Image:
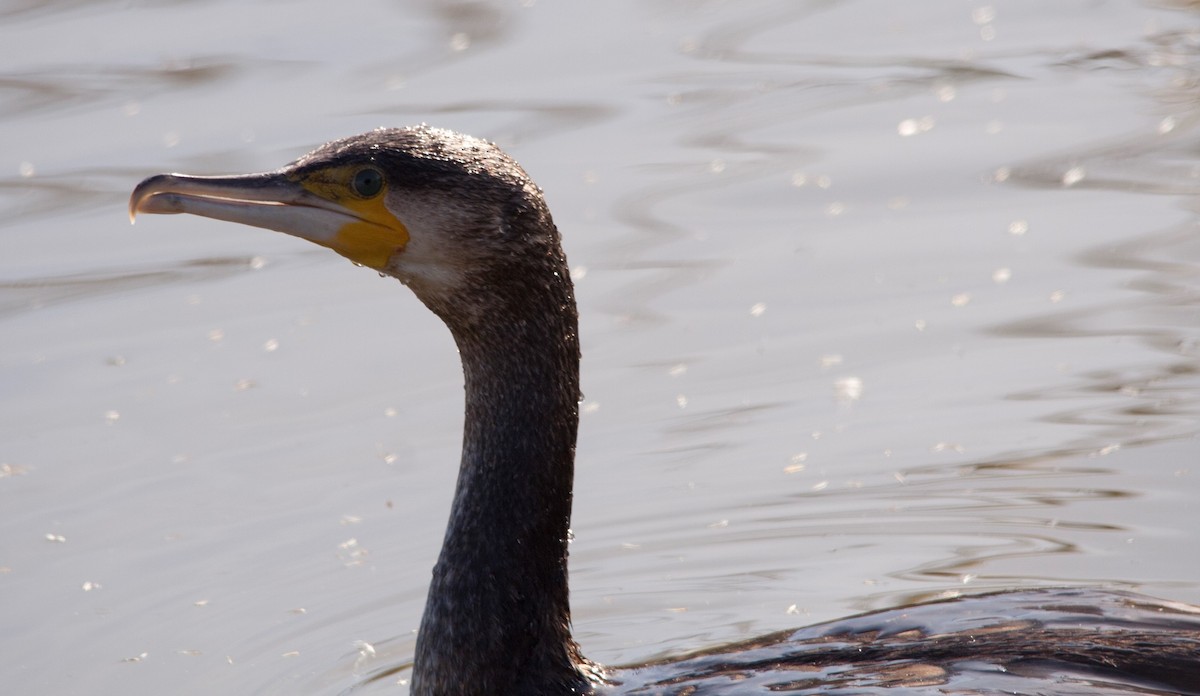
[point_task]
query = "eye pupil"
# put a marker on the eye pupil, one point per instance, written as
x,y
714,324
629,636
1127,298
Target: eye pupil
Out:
x,y
368,182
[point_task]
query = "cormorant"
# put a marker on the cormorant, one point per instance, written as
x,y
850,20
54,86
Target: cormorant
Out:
x,y
465,228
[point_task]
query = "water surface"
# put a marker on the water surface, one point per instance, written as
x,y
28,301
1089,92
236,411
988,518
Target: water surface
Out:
x,y
881,302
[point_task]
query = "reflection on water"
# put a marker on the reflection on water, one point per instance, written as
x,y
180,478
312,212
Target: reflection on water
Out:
x,y
29,198
69,87
38,293
1158,401
984,218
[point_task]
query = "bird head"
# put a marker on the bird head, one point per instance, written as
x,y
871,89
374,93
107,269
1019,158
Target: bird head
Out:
x,y
443,212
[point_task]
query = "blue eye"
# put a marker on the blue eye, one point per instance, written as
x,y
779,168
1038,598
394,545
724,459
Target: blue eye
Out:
x,y
368,182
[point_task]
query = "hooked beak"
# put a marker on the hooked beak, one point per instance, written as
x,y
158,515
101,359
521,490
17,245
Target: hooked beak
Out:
x,y
269,200
276,201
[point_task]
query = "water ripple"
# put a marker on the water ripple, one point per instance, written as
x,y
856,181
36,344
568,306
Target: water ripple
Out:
x,y
61,89
27,294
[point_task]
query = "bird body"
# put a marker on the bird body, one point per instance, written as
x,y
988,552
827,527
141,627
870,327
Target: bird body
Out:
x,y
464,227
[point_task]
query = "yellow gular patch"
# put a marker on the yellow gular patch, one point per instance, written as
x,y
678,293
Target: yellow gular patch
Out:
x,y
376,235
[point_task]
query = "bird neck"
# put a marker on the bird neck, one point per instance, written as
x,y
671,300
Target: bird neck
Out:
x,y
497,619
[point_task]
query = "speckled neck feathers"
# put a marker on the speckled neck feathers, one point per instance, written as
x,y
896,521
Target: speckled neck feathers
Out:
x,y
497,620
